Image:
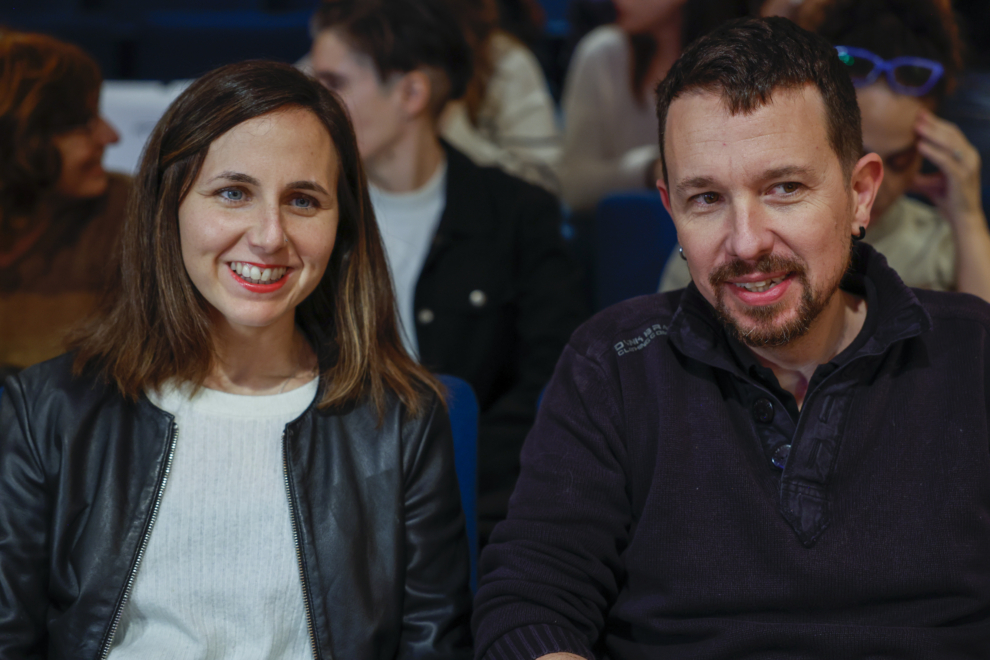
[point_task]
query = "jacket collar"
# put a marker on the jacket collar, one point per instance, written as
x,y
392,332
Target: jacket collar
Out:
x,y
697,333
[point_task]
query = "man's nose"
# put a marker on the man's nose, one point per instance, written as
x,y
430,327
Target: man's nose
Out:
x,y
750,236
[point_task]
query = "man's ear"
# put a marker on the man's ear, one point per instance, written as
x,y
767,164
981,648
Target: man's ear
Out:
x,y
415,89
864,183
664,195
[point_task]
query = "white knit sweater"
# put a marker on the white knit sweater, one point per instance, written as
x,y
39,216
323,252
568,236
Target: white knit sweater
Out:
x,y
219,577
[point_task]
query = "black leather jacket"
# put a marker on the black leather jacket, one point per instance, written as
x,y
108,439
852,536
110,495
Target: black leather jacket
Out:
x,y
380,532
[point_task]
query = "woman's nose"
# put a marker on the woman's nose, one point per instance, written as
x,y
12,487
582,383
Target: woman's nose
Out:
x,y
104,132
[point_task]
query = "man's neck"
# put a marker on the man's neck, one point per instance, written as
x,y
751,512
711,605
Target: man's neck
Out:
x,y
409,163
831,333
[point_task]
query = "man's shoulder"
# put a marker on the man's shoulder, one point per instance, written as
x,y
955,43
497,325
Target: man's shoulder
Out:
x,y
490,182
628,327
949,307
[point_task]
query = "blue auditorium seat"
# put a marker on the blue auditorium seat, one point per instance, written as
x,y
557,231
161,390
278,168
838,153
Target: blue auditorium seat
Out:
x,y
462,406
633,238
175,45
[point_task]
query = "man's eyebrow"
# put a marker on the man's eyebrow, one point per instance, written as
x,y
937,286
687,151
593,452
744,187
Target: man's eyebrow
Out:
x,y
237,177
787,172
330,78
308,185
694,183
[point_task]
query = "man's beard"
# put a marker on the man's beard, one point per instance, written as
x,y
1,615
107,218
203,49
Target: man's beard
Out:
x,y
764,333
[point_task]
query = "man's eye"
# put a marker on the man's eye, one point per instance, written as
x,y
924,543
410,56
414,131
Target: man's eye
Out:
x,y
789,188
709,197
232,194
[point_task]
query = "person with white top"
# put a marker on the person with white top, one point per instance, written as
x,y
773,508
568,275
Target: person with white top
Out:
x,y
507,116
487,290
238,459
610,126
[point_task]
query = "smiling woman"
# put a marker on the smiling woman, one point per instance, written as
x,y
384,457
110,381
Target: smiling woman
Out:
x,y
60,211
239,455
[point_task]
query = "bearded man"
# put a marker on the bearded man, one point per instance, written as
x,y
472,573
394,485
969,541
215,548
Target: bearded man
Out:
x,y
788,458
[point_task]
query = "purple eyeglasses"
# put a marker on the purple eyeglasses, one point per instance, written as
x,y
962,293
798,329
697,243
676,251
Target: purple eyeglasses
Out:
x,y
914,76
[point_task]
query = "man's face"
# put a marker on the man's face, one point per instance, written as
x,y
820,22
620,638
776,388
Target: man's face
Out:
x,y
762,210
375,107
888,130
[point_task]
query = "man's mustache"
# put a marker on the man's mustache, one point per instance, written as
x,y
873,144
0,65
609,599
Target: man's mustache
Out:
x,y
770,263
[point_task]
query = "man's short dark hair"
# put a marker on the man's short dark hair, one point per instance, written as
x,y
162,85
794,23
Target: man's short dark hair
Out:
x,y
747,60
893,28
403,35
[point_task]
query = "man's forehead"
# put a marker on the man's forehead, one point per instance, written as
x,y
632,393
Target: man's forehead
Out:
x,y
702,130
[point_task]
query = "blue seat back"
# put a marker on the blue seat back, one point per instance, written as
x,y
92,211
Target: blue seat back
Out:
x,y
634,236
462,406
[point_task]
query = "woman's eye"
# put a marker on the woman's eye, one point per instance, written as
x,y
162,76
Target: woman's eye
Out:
x,y
303,202
232,194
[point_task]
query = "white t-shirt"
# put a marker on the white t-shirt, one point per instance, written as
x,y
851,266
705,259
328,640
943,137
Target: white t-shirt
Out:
x,y
219,578
408,222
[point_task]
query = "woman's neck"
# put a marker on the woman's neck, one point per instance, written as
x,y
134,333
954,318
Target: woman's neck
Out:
x,y
261,361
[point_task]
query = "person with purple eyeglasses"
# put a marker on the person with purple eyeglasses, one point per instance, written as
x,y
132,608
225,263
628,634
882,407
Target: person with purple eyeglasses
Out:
x,y
903,57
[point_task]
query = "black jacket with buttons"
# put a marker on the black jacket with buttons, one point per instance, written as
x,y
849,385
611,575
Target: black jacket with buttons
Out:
x,y
375,506
496,301
652,521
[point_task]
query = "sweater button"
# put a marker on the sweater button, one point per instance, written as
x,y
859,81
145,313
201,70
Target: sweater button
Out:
x,y
425,316
477,298
763,411
779,459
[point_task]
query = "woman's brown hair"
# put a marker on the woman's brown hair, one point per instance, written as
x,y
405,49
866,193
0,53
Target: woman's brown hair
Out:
x,y
47,87
153,324
479,20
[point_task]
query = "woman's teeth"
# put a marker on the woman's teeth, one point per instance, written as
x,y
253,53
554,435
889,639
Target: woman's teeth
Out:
x,y
760,287
256,275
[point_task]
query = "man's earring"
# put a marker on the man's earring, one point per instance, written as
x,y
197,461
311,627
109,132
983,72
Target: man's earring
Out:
x,y
862,234
680,251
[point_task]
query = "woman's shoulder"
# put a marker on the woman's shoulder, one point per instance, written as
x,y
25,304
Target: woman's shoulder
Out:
x,y
604,42
53,383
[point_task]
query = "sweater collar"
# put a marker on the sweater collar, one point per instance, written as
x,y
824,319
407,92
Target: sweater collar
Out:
x,y
697,333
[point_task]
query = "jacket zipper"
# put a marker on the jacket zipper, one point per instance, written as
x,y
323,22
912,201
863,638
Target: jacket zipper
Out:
x,y
295,542
144,544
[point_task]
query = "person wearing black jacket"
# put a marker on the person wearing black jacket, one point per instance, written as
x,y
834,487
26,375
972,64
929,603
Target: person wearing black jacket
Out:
x,y
485,286
238,458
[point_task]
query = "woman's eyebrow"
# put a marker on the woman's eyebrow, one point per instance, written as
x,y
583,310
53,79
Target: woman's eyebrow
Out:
x,y
308,185
237,177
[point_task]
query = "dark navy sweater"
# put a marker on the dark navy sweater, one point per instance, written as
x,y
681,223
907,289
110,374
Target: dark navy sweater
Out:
x,y
657,515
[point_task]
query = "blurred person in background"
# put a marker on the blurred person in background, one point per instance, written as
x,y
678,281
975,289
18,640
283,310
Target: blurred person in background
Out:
x,y
903,56
969,106
506,117
610,131
60,211
485,287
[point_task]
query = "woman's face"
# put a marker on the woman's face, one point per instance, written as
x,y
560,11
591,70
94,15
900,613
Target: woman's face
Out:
x,y
644,16
259,222
81,150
